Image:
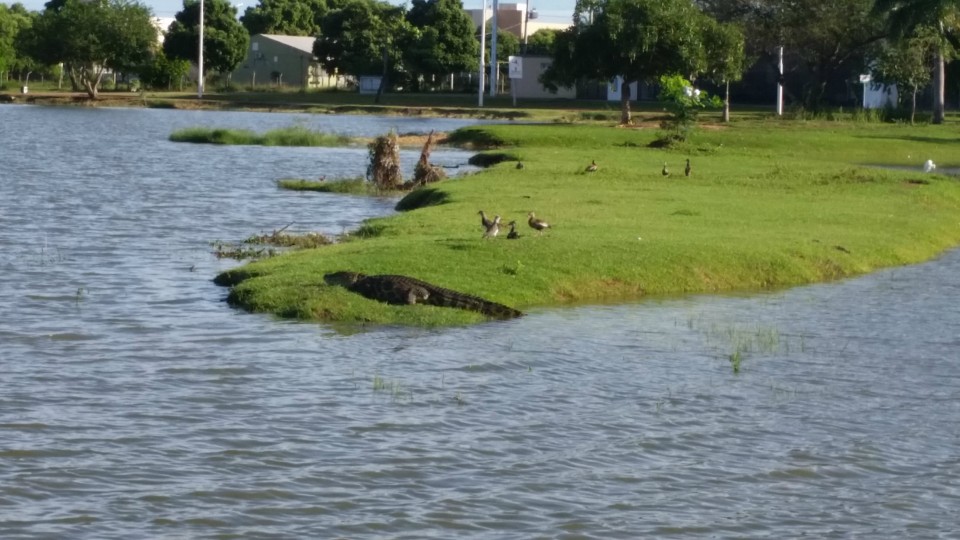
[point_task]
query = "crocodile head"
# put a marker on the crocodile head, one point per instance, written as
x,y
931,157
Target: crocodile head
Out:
x,y
343,278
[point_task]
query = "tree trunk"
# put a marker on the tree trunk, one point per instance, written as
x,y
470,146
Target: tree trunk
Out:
x,y
726,102
383,79
625,102
938,88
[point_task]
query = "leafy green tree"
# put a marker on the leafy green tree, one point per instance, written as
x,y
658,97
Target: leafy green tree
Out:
x,y
13,20
905,17
683,101
507,44
164,73
286,17
225,40
906,63
364,37
92,36
825,41
636,39
442,40
726,57
541,42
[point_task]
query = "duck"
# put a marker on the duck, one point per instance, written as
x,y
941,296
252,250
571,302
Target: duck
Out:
x,y
494,229
513,234
592,167
686,170
519,165
664,171
537,224
484,222
929,166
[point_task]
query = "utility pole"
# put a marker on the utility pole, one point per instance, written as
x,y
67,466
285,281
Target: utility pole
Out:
x,y
200,57
493,49
780,81
483,45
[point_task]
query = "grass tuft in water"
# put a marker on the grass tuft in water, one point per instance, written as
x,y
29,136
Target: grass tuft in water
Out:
x,y
289,136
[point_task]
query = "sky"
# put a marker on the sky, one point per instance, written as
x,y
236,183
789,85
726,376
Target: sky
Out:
x,y
554,11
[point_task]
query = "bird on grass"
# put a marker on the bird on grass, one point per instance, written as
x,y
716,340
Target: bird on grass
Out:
x,y
686,170
592,167
519,164
494,229
665,171
484,221
513,234
929,166
537,224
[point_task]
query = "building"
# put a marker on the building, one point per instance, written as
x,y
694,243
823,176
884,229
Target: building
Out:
x,y
528,85
516,19
275,60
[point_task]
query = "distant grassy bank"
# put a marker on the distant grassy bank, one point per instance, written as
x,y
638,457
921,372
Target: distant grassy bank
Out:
x,y
768,204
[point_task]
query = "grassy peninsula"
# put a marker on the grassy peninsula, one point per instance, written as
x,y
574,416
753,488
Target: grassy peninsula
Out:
x,y
768,204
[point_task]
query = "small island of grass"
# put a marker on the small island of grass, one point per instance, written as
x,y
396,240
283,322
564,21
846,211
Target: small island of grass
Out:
x,y
767,204
289,136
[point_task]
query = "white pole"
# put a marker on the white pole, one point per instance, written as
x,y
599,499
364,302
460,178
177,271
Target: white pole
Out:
x,y
780,82
493,49
483,45
200,57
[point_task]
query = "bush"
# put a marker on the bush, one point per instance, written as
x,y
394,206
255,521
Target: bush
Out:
x,y
683,102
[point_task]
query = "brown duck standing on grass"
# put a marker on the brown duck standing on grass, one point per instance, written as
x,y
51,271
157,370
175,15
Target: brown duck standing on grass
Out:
x,y
513,234
537,224
519,164
484,222
494,229
592,167
665,171
687,169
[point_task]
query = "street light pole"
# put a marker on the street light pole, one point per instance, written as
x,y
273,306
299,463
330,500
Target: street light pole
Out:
x,y
493,49
483,45
200,57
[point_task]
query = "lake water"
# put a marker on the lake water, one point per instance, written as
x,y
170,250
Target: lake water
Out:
x,y
134,403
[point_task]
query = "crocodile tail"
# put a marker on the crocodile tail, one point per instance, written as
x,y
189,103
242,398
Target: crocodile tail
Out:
x,y
454,299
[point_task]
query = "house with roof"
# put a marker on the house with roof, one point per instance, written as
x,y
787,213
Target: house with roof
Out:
x,y
283,61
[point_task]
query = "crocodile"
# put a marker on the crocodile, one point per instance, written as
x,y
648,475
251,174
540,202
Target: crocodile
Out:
x,y
405,290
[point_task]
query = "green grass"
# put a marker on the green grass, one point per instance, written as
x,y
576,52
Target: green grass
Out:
x,y
289,136
770,204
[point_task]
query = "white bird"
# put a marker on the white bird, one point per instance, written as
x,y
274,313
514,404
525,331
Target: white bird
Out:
x,y
929,166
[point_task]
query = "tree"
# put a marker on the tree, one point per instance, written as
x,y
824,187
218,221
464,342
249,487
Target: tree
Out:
x,y
364,37
13,20
906,63
507,43
726,57
287,17
225,41
904,17
442,41
541,42
635,39
90,37
825,41
163,72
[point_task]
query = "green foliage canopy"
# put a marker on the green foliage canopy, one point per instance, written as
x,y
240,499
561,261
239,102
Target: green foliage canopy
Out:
x,y
636,39
287,17
356,38
13,20
225,40
92,36
443,40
